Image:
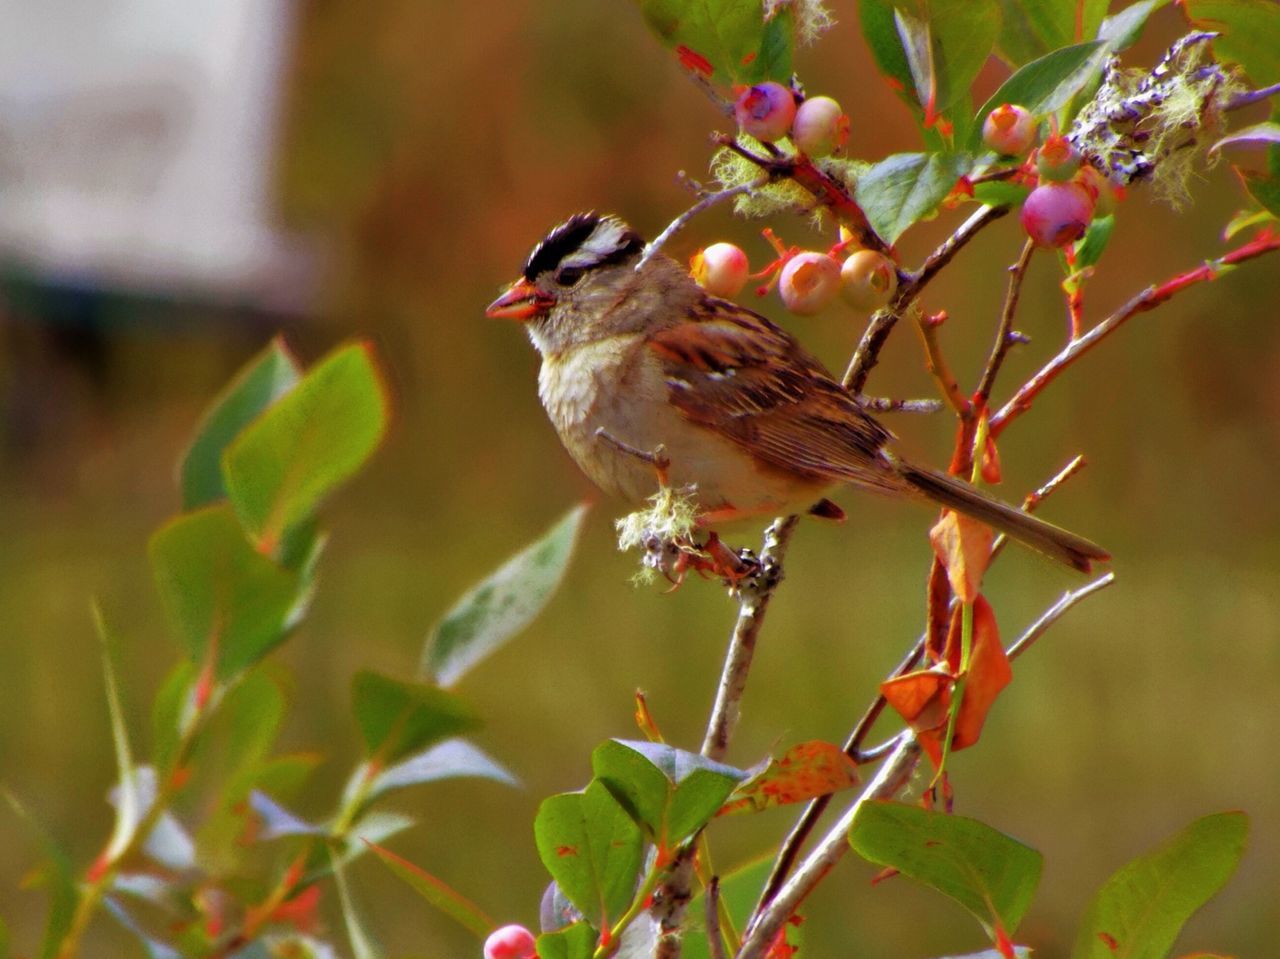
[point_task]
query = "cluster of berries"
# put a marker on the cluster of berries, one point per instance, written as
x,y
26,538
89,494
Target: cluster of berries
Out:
x,y
1068,193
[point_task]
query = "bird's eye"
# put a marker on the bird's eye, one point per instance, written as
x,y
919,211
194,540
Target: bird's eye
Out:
x,y
569,275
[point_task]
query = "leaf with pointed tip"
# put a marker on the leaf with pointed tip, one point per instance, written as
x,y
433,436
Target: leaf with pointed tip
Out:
x,y
1139,911
452,759
262,381
363,944
1260,134
671,792
1248,34
313,439
438,893
1044,85
593,849
905,188
168,842
155,949
805,771
1090,247
276,821
398,718
506,602
56,873
171,713
228,601
1122,29
734,38
128,803
1263,188
990,874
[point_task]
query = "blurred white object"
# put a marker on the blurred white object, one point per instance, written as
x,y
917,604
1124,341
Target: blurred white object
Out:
x,y
137,146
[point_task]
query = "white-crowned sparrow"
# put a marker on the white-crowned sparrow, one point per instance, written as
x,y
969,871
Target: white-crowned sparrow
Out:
x,y
641,359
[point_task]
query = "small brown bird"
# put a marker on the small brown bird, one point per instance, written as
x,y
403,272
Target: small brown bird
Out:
x,y
637,359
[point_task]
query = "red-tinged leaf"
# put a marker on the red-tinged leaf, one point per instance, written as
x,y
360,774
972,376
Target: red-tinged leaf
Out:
x,y
438,893
963,545
990,462
806,771
694,62
644,719
988,673
939,600
301,912
921,698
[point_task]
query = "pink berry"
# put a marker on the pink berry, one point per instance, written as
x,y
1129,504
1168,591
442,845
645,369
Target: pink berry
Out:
x,y
820,127
808,282
868,280
1057,159
721,269
1009,129
510,942
765,111
1055,214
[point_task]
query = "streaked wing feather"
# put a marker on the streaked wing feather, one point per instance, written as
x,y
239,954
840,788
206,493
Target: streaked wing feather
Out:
x,y
734,372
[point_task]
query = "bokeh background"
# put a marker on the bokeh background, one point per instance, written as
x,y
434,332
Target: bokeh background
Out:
x,y
407,156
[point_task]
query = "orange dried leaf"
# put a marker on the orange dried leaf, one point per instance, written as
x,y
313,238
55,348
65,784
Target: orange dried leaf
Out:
x,y
989,672
963,546
939,602
806,771
921,698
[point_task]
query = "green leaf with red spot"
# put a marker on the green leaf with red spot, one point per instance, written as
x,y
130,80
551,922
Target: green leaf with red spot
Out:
x,y
398,718
805,771
230,603
905,188
670,792
728,41
593,849
1139,911
987,872
316,437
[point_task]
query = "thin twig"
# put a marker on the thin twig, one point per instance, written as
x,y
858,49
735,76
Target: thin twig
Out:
x,y
1033,500
937,366
1148,299
715,942
890,779
1056,612
909,287
883,404
799,835
754,594
706,203
1005,337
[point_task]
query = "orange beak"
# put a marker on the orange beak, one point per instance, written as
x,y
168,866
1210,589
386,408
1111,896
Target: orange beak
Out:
x,y
522,301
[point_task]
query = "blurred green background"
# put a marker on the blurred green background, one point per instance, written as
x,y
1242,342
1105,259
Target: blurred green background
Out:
x,y
426,147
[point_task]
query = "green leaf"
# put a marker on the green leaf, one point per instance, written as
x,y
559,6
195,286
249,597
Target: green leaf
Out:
x,y
671,792
438,893
1090,247
262,381
503,604
592,849
1000,193
933,49
739,891
228,601
172,711
363,944
1122,29
904,188
577,941
312,440
990,874
1032,28
1140,910
732,35
452,759
1249,34
56,873
1264,188
128,803
1044,85
397,718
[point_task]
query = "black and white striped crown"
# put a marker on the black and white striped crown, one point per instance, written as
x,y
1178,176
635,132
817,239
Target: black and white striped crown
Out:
x,y
583,241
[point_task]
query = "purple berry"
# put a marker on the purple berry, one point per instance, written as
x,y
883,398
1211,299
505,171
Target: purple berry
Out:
x,y
765,111
1055,214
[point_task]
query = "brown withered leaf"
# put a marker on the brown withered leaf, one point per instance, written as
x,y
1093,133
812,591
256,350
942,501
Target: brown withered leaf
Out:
x,y
988,673
805,771
963,546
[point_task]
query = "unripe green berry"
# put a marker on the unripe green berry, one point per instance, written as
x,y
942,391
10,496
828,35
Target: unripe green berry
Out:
x,y
808,283
820,127
1009,129
868,280
765,111
721,269
1057,160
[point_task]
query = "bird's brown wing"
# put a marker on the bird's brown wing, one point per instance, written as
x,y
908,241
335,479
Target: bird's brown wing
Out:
x,y
733,372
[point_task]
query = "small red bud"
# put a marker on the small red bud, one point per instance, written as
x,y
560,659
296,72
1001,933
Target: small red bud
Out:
x,y
808,282
820,128
510,942
1055,214
868,280
765,111
1009,129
